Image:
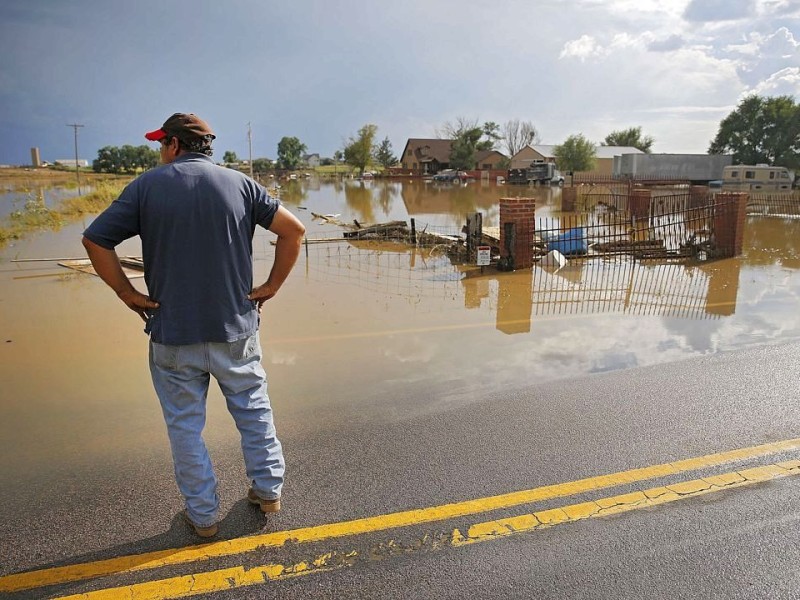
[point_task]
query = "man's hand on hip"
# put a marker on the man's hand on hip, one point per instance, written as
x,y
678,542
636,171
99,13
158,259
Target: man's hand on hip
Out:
x,y
137,302
262,293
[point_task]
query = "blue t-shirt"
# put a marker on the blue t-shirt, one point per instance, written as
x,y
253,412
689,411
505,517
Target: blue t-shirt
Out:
x,y
196,221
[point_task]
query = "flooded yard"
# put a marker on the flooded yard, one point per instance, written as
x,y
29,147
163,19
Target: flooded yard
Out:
x,y
357,319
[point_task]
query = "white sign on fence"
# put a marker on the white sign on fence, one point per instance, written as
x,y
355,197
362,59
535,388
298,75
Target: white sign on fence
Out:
x,y
484,255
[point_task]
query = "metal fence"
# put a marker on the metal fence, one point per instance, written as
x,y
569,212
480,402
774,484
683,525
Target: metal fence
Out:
x,y
774,205
674,228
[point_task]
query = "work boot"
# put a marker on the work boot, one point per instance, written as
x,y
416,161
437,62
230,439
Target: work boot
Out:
x,y
203,532
267,506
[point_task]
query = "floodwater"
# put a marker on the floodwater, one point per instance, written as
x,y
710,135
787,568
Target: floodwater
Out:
x,y
357,320
14,197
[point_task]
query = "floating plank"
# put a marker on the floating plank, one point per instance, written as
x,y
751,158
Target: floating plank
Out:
x,y
84,265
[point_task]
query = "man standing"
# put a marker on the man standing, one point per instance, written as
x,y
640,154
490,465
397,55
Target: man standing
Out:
x,y
196,221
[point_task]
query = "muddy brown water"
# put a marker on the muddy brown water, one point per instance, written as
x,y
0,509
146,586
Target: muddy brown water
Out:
x,y
356,320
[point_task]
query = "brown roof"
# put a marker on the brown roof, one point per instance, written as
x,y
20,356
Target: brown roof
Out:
x,y
426,150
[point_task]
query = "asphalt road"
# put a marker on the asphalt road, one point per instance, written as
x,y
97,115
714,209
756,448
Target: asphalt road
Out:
x,y
442,447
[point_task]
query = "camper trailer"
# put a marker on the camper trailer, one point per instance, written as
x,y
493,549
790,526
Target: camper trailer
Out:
x,y
763,178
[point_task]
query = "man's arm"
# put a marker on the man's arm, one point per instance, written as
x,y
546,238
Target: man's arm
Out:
x,y
290,232
106,264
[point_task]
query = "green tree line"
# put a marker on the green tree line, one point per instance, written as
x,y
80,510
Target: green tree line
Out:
x,y
127,159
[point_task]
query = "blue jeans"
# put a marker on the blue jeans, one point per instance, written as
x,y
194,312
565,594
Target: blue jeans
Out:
x,y
181,376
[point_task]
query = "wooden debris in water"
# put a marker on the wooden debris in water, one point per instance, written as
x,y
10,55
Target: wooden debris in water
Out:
x,y
382,231
84,265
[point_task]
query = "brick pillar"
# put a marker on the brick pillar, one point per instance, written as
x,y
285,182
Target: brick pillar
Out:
x,y
569,199
640,203
729,217
516,232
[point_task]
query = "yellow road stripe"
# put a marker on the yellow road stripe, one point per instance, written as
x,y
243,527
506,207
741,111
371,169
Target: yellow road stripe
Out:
x,y
235,577
161,558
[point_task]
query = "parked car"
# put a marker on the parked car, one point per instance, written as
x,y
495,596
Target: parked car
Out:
x,y
451,175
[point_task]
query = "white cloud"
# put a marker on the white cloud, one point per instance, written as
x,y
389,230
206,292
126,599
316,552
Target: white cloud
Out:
x,y
785,82
583,48
762,57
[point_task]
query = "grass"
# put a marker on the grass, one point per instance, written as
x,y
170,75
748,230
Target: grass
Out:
x,y
35,216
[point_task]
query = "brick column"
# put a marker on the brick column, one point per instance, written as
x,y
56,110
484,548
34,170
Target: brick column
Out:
x,y
729,218
516,232
640,203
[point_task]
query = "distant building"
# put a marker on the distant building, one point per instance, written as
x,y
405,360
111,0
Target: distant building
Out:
x,y
311,160
70,162
486,160
539,153
36,160
425,156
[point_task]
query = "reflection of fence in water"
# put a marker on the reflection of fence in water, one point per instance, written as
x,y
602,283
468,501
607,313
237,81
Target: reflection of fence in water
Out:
x,y
386,268
597,286
582,287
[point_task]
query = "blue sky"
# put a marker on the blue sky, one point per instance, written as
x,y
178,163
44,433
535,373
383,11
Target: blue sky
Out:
x,y
319,70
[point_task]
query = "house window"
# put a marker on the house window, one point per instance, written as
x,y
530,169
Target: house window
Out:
x,y
734,174
749,174
772,174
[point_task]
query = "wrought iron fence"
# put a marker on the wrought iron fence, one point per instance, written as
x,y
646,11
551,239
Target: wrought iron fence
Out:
x,y
774,205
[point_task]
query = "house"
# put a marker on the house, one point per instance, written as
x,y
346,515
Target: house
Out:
x,y
487,160
423,156
532,154
604,155
311,160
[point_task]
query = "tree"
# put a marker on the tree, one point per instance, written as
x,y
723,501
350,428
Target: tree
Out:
x,y
518,134
465,144
384,154
630,137
761,130
108,160
467,136
261,165
146,157
128,159
290,152
576,154
229,157
359,151
491,131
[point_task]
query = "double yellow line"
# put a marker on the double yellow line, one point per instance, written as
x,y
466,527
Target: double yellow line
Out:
x,y
197,583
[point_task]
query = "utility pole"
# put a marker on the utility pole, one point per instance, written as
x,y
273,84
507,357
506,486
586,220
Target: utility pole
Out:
x,y
77,170
250,145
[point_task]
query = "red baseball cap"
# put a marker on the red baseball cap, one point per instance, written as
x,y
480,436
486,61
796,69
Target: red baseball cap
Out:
x,y
181,125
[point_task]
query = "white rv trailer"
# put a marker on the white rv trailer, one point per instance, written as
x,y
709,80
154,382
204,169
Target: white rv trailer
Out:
x,y
763,178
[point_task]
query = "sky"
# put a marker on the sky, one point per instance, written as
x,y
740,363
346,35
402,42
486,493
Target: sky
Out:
x,y
320,70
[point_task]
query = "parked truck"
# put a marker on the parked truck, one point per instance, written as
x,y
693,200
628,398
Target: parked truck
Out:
x,y
544,173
